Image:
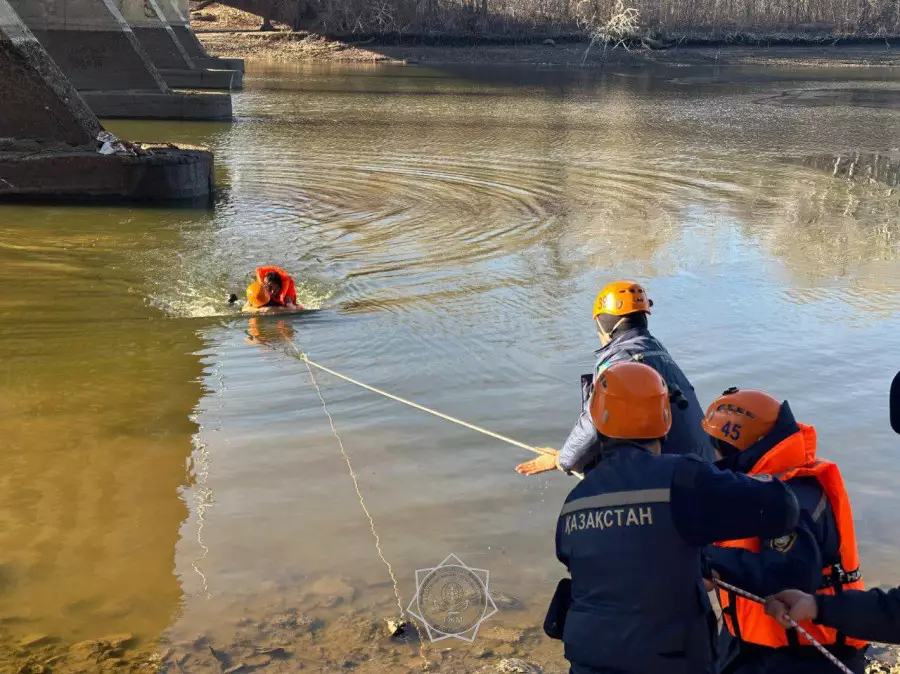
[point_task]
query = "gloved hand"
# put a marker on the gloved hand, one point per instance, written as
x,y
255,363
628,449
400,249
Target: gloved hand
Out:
x,y
541,464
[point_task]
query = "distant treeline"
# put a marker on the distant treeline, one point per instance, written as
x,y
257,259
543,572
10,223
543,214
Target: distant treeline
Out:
x,y
722,20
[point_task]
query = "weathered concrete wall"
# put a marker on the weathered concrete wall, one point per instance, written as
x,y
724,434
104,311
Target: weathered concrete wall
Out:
x,y
149,23
167,174
39,103
92,44
181,24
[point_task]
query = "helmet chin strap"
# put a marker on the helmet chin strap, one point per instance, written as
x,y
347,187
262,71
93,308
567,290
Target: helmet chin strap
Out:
x,y
606,337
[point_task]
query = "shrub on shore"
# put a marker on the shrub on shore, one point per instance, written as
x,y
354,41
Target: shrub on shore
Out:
x,y
609,21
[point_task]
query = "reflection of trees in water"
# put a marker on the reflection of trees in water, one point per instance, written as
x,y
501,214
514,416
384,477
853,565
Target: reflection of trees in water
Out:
x,y
839,226
860,167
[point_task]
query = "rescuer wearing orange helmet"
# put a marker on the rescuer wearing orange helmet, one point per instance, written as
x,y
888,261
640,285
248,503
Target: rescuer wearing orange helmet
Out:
x,y
273,287
756,434
632,532
620,313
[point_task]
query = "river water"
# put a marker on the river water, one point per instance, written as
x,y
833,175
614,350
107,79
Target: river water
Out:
x,y
168,467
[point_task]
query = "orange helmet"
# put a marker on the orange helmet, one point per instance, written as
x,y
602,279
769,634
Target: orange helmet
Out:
x,y
631,401
621,298
257,295
741,418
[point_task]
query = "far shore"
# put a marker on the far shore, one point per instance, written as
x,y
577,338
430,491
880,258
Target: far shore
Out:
x,y
309,47
230,33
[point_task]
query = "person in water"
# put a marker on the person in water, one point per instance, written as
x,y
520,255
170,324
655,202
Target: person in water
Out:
x,y
620,312
273,287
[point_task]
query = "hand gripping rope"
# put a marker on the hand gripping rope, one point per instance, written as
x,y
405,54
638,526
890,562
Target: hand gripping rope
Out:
x,y
759,600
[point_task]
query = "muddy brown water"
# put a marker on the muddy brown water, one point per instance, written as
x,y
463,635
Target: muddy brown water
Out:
x,y
168,475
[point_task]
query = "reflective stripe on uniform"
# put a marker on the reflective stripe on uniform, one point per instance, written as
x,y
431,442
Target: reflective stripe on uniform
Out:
x,y
618,498
817,513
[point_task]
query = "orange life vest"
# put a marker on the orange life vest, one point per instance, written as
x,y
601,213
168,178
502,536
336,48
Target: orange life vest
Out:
x,y
795,457
288,291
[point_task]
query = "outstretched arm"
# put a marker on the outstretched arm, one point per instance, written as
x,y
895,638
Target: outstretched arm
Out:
x,y
789,561
873,615
711,505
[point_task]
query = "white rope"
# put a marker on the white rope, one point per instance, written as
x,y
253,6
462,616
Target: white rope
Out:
x,y
759,600
447,417
362,502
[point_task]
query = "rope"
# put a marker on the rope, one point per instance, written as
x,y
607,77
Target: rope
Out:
x,y
537,450
759,600
362,502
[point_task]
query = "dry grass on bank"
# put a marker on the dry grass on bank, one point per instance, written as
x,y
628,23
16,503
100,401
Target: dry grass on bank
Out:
x,y
723,20
287,46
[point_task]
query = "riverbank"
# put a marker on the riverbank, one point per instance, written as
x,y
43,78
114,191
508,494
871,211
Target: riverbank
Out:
x,y
230,33
293,640
299,46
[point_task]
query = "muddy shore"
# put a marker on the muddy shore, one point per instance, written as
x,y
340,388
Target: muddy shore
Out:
x,y
293,641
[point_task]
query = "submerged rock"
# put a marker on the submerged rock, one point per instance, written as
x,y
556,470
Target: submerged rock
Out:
x,y
883,660
91,649
396,628
505,601
331,602
35,640
332,587
502,634
117,641
516,666
258,661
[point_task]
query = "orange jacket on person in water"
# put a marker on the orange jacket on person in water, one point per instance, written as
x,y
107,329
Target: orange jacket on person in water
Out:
x,y
288,290
792,458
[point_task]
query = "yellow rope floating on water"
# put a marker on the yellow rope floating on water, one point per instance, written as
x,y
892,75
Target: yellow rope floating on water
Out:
x,y
510,441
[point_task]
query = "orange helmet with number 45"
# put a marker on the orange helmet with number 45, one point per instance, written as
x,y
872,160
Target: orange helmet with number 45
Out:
x,y
631,402
741,418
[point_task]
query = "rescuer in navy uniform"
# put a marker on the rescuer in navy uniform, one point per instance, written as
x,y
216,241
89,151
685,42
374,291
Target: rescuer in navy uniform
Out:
x,y
631,535
757,434
620,312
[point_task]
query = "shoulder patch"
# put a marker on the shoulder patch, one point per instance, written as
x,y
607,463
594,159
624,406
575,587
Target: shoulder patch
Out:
x,y
762,477
783,544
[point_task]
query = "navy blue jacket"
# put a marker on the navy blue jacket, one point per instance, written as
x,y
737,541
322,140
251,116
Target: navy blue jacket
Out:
x,y
686,436
631,535
793,561
873,615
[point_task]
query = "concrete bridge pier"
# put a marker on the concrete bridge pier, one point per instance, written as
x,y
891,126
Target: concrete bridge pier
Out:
x,y
53,147
181,25
97,51
147,19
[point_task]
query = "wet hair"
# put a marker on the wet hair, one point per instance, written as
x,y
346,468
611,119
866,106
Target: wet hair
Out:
x,y
273,278
638,319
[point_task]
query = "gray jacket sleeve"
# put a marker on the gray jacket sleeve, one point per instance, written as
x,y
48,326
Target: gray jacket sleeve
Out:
x,y
581,444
